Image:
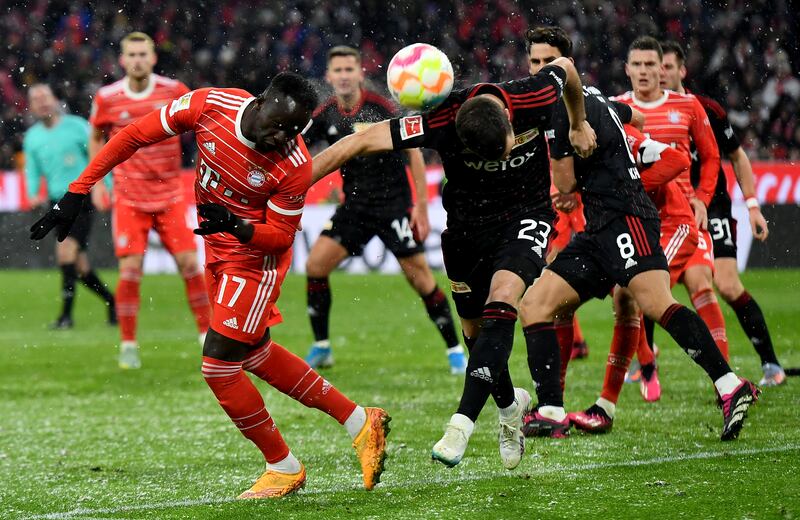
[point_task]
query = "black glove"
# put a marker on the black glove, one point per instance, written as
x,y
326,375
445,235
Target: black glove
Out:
x,y
60,216
219,219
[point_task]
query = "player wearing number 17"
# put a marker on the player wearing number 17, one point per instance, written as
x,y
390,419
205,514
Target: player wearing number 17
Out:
x,y
497,198
253,172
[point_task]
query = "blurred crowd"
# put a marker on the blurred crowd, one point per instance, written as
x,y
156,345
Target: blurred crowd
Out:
x,y
744,53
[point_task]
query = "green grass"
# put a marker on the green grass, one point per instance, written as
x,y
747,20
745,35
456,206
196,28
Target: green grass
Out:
x,y
80,439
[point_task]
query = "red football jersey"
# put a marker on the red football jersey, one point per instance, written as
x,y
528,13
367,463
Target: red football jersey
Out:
x,y
260,187
660,167
677,120
150,179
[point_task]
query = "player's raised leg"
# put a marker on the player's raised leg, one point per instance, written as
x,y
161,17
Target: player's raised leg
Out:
x,y
243,299
325,255
651,290
419,276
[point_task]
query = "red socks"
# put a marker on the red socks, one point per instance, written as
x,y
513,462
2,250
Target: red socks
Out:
x,y
705,302
244,405
643,352
623,345
128,302
578,334
565,335
198,299
293,377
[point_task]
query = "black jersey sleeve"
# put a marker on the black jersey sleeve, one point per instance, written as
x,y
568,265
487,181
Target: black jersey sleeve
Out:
x,y
723,132
624,111
558,134
532,99
426,130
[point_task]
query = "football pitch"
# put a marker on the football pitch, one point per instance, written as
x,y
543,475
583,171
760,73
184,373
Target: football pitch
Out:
x,y
81,439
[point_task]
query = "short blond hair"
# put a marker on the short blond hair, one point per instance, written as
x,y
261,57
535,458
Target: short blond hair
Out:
x,y
137,36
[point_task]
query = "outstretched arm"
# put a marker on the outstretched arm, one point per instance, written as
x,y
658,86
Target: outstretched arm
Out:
x,y
143,132
377,138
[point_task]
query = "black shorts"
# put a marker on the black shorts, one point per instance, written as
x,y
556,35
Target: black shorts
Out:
x,y
353,229
82,227
722,228
593,263
472,257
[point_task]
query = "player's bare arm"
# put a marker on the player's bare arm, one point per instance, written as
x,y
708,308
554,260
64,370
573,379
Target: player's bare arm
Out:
x,y
97,138
637,119
419,213
581,134
564,174
375,139
744,176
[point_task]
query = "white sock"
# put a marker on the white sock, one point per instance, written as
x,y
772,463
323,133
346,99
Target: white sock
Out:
x,y
509,411
288,465
323,343
128,344
356,421
727,383
458,349
463,422
607,406
555,413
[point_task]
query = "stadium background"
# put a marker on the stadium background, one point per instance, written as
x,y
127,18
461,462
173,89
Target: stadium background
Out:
x,y
741,53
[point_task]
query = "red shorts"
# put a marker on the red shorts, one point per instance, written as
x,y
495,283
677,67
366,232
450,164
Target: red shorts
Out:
x,y
704,254
131,227
679,242
243,296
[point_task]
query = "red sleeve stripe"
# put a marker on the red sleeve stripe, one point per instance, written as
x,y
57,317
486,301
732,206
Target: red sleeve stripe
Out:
x,y
543,103
541,92
444,114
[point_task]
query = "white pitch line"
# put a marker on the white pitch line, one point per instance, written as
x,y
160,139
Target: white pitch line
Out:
x,y
89,512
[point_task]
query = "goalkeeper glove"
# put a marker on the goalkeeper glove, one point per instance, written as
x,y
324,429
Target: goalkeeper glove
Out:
x,y
219,219
60,216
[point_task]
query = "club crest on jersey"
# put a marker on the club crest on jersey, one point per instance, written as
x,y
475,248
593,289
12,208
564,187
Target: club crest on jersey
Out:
x,y
674,117
411,126
256,178
460,287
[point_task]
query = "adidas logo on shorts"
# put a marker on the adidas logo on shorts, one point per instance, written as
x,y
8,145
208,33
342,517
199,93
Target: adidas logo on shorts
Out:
x,y
482,373
231,322
630,263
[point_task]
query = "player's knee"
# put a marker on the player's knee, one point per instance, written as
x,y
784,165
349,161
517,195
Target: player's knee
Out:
x,y
625,306
729,289
536,310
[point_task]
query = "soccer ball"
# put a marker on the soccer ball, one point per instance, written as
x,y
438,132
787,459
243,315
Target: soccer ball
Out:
x,y
419,76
